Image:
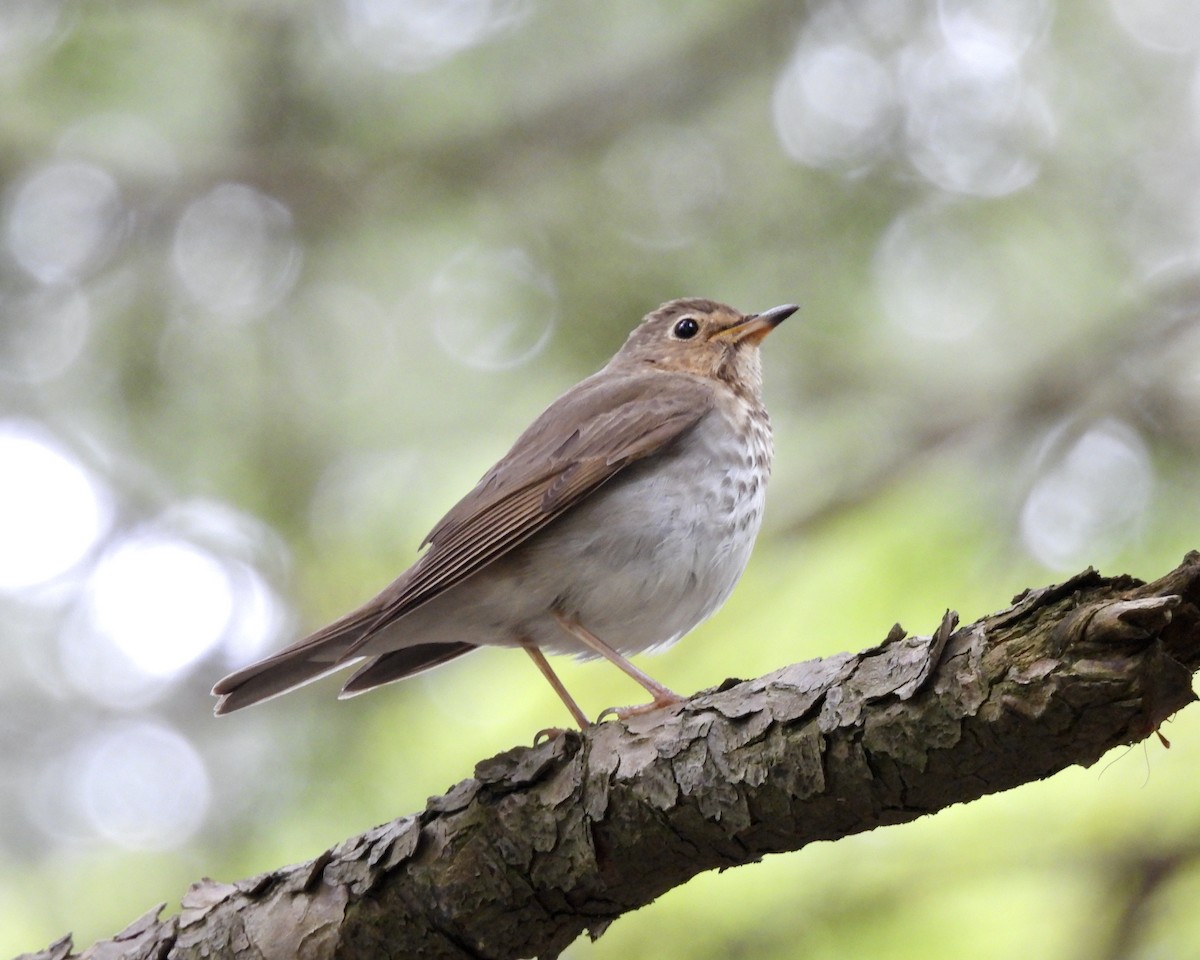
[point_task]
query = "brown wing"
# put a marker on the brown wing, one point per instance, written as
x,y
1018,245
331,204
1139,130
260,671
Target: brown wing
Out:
x,y
581,441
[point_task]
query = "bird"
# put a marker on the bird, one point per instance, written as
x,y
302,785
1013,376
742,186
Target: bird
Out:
x,y
619,520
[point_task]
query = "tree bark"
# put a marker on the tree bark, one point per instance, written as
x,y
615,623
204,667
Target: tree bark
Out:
x,y
547,842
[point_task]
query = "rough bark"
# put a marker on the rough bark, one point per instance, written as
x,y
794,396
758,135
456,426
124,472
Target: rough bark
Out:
x,y
547,842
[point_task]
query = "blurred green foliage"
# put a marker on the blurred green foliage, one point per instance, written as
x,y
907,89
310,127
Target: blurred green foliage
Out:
x,y
279,281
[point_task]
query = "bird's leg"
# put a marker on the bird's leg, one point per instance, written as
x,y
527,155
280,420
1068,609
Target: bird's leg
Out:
x,y
543,664
662,696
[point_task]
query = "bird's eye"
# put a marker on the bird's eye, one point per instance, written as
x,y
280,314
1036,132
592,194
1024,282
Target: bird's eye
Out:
x,y
686,328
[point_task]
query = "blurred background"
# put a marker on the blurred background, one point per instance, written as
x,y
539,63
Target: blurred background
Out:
x,y
280,280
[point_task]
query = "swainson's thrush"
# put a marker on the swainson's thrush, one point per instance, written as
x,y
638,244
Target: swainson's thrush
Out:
x,y
618,521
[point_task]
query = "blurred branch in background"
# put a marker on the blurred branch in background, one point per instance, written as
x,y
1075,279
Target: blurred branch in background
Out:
x,y
278,279
1121,374
548,842
1141,879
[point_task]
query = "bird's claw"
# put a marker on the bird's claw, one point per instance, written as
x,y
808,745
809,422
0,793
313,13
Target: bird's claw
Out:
x,y
637,710
550,733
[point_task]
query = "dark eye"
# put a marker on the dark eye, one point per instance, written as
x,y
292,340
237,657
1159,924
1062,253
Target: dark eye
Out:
x,y
686,328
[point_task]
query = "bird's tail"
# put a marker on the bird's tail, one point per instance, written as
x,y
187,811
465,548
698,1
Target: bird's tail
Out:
x,y
293,667
323,653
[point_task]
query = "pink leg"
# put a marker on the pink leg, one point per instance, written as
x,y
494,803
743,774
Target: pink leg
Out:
x,y
539,658
662,696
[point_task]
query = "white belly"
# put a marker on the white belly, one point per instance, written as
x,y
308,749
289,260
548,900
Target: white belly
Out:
x,y
639,563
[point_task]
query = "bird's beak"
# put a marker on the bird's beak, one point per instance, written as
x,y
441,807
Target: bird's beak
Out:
x,y
753,328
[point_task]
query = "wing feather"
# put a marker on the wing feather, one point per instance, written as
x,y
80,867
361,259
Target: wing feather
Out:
x,y
582,441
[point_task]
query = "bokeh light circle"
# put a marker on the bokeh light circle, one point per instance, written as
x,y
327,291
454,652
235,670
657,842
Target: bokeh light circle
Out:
x,y
53,512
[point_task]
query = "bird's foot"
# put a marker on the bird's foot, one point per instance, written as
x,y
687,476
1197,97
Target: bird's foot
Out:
x,y
665,698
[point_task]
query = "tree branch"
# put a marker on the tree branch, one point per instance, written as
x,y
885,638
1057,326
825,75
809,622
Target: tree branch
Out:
x,y
547,842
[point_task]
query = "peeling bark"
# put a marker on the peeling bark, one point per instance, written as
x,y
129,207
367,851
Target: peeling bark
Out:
x,y
547,842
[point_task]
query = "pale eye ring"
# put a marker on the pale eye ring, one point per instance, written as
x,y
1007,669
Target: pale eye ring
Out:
x,y
686,328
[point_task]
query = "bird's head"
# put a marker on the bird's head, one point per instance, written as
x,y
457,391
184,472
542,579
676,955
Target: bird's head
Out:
x,y
704,338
